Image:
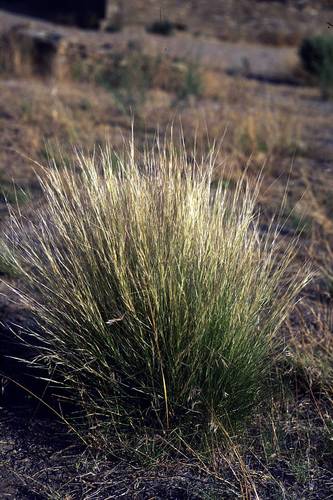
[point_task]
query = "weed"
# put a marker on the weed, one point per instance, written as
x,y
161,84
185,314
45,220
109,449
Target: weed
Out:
x,y
128,80
192,84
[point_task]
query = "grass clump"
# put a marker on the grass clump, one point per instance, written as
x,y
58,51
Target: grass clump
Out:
x,y
317,58
157,297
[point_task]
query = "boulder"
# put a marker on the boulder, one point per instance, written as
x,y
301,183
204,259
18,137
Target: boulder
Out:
x,y
27,51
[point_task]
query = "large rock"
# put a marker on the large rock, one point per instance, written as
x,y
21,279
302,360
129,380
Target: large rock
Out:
x,y
26,51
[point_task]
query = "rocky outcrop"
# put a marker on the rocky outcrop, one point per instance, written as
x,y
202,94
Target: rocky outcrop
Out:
x,y
26,51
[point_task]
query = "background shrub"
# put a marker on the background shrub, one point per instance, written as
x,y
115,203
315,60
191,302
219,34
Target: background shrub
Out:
x,y
317,58
157,297
192,84
161,27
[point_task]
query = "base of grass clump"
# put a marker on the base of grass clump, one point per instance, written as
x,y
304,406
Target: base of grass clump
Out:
x,y
157,297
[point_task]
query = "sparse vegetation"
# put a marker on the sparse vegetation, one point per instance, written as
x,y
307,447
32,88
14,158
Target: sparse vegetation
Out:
x,y
266,133
311,355
326,268
130,77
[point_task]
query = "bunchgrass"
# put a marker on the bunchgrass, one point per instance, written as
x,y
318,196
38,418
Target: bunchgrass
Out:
x,y
157,296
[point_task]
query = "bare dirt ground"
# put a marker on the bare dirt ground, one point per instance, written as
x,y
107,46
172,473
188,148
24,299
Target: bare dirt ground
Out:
x,y
286,451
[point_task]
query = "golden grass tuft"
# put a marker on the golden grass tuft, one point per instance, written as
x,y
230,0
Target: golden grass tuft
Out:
x,y
158,296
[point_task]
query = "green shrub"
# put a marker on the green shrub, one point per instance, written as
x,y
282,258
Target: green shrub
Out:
x,y
191,84
161,27
317,57
128,79
158,298
165,27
